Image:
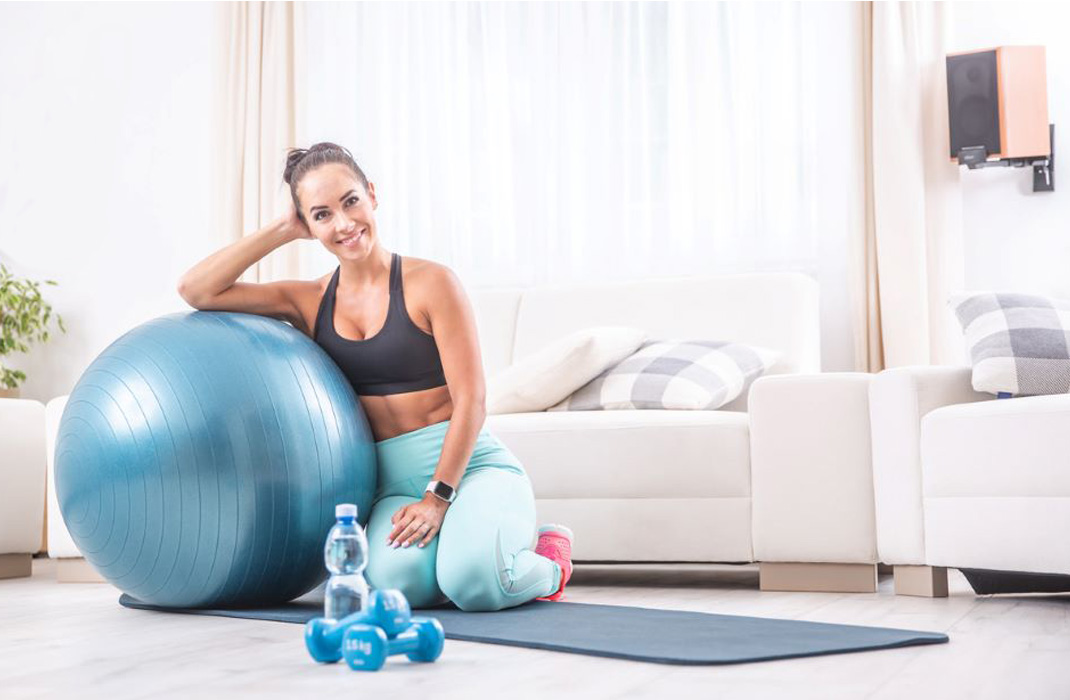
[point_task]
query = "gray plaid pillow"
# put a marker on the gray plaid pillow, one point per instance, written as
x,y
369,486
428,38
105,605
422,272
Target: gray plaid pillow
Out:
x,y
674,374
1018,343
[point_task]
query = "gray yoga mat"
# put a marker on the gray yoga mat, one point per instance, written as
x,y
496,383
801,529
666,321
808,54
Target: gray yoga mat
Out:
x,y
638,634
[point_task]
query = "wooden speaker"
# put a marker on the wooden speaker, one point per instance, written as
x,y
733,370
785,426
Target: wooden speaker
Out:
x,y
998,98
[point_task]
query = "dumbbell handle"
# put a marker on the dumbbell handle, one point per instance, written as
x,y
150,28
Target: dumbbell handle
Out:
x,y
407,641
334,633
382,610
367,648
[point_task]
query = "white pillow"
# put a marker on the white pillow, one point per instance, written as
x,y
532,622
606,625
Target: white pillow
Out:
x,y
674,375
1019,343
544,378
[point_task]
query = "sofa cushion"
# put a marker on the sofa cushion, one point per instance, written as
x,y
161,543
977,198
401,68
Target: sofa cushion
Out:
x,y
674,374
997,490
998,449
1018,343
545,377
630,454
654,529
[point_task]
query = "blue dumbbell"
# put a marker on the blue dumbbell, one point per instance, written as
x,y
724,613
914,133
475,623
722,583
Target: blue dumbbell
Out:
x,y
386,609
365,647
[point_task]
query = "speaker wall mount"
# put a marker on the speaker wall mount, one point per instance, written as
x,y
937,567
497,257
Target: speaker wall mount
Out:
x,y
998,111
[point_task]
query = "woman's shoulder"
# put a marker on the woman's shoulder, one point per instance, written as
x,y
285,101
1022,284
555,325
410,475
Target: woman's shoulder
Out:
x,y
427,279
410,263
307,295
423,272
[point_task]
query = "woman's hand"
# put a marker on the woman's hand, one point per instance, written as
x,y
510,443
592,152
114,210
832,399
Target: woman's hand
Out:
x,y
418,521
292,224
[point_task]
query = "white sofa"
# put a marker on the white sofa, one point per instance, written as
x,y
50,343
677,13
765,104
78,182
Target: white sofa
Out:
x,y
27,438
635,486
644,486
968,481
22,476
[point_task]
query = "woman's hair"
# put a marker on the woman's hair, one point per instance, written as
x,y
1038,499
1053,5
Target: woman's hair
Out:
x,y
300,161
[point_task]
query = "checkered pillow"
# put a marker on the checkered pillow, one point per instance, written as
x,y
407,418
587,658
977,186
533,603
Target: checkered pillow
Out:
x,y
1018,343
674,374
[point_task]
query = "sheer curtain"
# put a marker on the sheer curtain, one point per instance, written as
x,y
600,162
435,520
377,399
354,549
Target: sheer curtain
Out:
x,y
261,69
913,238
534,143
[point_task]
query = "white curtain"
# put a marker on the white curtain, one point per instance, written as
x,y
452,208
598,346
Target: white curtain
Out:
x,y
262,70
913,253
533,143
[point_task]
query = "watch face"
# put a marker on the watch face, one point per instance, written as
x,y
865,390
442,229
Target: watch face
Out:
x,y
443,490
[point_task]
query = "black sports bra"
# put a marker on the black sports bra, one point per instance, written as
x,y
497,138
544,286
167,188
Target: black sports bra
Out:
x,y
397,359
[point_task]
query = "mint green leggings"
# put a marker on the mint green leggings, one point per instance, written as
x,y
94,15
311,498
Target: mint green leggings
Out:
x,y
482,558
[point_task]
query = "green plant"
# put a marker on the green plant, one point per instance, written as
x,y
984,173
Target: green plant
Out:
x,y
24,317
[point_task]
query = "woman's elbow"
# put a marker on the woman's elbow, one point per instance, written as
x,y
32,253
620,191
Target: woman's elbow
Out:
x,y
183,290
188,293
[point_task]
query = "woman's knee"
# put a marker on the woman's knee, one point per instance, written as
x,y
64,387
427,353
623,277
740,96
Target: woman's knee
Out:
x,y
470,581
409,570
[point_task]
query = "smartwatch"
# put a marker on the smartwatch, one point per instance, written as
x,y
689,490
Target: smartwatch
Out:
x,y
442,490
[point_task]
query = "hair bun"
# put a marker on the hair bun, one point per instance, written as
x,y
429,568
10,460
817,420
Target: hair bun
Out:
x,y
300,161
293,157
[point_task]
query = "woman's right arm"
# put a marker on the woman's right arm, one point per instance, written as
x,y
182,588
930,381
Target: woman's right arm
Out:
x,y
211,285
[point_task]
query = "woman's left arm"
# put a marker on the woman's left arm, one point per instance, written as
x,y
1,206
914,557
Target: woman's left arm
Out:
x,y
454,327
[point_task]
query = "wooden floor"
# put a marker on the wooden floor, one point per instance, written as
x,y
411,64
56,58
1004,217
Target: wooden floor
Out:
x,y
75,641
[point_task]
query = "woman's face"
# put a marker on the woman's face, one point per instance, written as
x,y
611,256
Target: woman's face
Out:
x,y
339,212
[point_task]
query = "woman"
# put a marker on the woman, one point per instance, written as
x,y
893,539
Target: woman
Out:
x,y
454,513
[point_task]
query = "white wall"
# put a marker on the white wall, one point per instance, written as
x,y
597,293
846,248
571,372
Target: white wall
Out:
x,y
105,156
1015,239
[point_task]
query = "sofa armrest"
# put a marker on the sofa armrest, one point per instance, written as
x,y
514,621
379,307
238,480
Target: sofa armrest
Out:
x,y
898,401
811,474
22,473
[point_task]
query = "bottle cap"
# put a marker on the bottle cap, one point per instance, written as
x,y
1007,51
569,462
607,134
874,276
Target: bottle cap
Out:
x,y
345,510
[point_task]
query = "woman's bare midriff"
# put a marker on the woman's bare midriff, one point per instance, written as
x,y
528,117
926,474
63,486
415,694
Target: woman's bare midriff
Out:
x,y
394,414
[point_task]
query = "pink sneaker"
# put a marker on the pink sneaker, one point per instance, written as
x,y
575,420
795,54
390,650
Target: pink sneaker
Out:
x,y
555,543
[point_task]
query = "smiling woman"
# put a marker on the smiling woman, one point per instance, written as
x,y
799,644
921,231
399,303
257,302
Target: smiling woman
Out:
x,y
403,332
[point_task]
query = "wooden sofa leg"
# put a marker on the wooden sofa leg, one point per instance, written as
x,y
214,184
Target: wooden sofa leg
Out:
x,y
16,565
830,578
924,581
77,571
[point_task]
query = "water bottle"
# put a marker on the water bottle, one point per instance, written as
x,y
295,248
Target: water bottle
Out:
x,y
346,555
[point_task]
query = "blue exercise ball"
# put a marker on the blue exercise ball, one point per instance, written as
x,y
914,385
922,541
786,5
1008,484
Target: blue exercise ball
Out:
x,y
201,455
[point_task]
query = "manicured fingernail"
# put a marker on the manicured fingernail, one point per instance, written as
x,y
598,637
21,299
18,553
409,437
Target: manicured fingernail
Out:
x,y
405,545
420,545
